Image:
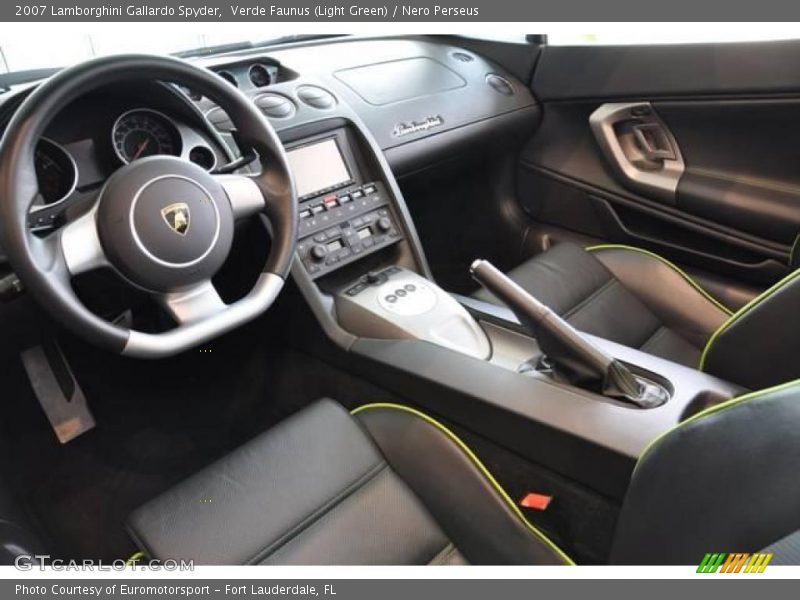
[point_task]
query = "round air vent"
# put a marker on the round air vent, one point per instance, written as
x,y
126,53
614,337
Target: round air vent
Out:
x,y
275,106
463,57
229,77
500,84
259,75
316,97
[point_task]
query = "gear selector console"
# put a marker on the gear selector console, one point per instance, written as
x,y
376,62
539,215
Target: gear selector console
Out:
x,y
396,303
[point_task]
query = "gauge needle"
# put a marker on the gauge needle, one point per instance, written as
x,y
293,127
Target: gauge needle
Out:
x,y
140,149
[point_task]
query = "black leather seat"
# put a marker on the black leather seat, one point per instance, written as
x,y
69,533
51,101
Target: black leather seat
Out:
x,y
389,485
324,487
638,299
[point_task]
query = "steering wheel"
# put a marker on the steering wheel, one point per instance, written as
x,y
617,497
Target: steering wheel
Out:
x,y
164,224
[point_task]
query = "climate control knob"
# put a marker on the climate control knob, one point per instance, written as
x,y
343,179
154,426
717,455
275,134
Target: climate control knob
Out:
x,y
319,252
384,223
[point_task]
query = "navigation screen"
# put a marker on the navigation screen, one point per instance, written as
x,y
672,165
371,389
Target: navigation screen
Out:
x,y
318,167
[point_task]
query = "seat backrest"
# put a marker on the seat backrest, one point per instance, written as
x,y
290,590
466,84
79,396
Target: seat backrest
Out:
x,y
725,480
759,344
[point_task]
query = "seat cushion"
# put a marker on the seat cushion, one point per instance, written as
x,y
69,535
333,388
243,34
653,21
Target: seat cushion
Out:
x,y
317,489
624,295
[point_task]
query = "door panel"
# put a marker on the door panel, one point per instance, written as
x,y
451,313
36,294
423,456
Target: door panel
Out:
x,y
690,151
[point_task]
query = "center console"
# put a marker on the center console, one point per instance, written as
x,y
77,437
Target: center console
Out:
x,y
343,214
357,255
362,270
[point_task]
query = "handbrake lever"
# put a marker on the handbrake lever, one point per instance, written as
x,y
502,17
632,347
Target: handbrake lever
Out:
x,y
571,355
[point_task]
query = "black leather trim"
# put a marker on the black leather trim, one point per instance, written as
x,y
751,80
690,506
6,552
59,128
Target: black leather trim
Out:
x,y
677,303
262,493
725,480
460,498
624,295
316,490
760,345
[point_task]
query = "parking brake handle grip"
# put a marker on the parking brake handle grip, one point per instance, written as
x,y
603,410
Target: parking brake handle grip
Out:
x,y
572,356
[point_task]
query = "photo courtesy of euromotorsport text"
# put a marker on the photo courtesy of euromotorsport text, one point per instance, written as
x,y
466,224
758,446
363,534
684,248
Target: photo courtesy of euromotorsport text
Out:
x,y
399,300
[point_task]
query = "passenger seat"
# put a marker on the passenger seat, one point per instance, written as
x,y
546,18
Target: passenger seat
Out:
x,y
634,298
641,300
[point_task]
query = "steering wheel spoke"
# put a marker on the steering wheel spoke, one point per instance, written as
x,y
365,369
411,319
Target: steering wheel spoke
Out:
x,y
80,245
197,303
245,195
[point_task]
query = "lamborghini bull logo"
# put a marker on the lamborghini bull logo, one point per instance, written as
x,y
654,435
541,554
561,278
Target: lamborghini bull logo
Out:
x,y
176,216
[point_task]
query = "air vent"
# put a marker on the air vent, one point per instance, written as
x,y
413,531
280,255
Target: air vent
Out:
x,y
500,84
259,75
316,97
275,106
462,57
229,77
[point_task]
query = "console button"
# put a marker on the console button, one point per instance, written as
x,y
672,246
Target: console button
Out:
x,y
356,194
345,198
304,214
391,298
400,292
410,287
384,223
317,209
370,189
319,252
356,289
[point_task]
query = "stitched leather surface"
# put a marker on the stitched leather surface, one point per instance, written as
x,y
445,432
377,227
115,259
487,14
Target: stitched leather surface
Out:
x,y
235,510
463,502
623,296
382,523
317,490
760,347
726,481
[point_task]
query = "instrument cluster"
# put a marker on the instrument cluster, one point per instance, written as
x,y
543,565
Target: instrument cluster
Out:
x,y
135,134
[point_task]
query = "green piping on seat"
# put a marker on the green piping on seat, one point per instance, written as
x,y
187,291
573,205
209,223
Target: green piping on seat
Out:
x,y
135,557
712,410
793,253
477,462
738,314
670,264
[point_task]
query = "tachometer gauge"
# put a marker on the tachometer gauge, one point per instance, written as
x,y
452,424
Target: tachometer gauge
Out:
x,y
56,172
144,132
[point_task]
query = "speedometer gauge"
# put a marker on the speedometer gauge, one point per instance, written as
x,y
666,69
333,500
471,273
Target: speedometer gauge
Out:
x,y
144,132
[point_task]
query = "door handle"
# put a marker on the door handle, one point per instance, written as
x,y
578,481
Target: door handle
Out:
x,y
653,141
639,147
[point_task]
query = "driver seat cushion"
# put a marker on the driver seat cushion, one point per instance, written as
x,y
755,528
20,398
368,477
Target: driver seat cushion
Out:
x,y
626,295
388,486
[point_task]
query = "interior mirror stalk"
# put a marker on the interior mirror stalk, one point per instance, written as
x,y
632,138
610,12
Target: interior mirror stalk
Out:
x,y
570,355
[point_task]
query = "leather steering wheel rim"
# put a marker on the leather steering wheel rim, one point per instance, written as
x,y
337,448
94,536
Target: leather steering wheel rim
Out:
x,y
46,265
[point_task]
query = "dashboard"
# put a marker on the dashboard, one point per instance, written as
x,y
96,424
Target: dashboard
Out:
x,y
421,102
